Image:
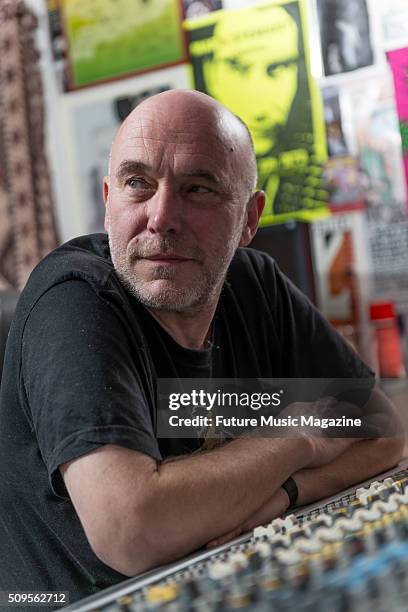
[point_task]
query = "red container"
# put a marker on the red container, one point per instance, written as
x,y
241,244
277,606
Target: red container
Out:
x,y
389,350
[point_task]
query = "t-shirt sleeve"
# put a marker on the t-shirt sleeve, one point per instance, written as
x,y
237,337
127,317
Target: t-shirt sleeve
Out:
x,y
81,379
309,344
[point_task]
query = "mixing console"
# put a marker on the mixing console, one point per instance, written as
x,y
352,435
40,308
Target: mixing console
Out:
x,y
347,555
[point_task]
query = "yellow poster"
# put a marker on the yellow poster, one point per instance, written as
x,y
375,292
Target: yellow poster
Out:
x,y
256,61
114,38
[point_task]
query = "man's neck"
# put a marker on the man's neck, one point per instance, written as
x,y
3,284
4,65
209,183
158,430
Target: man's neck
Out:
x,y
190,330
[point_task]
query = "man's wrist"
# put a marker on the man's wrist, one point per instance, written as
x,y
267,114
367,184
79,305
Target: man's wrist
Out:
x,y
283,501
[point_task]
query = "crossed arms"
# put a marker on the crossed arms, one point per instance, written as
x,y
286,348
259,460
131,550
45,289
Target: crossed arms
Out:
x,y
138,513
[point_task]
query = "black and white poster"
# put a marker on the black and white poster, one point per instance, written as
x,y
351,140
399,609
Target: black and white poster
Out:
x,y
345,35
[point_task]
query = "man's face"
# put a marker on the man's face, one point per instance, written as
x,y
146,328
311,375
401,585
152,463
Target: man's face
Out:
x,y
256,76
175,210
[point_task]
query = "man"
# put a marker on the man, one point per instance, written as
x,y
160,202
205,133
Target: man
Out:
x,y
86,496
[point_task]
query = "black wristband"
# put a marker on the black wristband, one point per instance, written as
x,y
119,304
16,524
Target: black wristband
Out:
x,y
291,489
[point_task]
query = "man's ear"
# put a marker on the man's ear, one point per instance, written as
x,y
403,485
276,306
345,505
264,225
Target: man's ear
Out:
x,y
255,207
106,200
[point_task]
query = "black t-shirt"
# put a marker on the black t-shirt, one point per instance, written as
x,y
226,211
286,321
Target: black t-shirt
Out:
x,y
82,359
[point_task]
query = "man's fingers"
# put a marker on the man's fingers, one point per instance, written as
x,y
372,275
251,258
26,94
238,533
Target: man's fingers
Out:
x,y
225,538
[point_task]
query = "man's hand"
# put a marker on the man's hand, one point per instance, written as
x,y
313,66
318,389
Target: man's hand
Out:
x,y
325,449
361,461
356,464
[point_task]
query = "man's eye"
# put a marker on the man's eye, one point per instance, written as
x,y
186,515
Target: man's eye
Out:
x,y
137,183
199,189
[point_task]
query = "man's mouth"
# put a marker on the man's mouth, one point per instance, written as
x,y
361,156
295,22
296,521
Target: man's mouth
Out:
x,y
167,258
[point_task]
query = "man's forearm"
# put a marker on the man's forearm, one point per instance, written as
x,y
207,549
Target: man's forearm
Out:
x,y
205,495
359,462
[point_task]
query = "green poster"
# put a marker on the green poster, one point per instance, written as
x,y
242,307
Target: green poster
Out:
x,y
256,61
112,38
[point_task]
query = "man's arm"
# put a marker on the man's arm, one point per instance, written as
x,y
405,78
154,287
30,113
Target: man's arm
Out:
x,y
359,462
138,514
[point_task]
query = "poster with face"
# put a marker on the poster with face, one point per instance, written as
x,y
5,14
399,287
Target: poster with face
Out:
x,y
256,62
345,35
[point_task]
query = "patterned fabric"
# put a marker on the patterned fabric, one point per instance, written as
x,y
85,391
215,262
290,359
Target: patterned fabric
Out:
x,y
27,226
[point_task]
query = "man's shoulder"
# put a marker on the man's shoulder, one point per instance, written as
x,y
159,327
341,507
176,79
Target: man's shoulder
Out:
x,y
85,258
85,253
253,277
251,263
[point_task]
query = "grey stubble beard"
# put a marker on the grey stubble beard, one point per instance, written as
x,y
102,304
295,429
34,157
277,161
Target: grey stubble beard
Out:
x,y
185,299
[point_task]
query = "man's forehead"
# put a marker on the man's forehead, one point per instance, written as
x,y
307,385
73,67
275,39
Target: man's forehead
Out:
x,y
176,128
144,136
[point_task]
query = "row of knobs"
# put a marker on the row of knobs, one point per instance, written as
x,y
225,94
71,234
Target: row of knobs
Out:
x,y
350,557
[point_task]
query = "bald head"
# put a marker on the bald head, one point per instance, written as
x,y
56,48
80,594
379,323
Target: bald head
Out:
x,y
178,111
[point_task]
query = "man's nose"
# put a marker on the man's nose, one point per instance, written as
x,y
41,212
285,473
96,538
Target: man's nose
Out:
x,y
164,211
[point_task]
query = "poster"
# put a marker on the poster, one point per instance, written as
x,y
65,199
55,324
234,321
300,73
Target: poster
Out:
x,y
389,255
112,38
344,184
336,142
55,30
370,123
394,22
256,62
342,268
399,65
58,45
341,263
345,35
91,120
197,8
